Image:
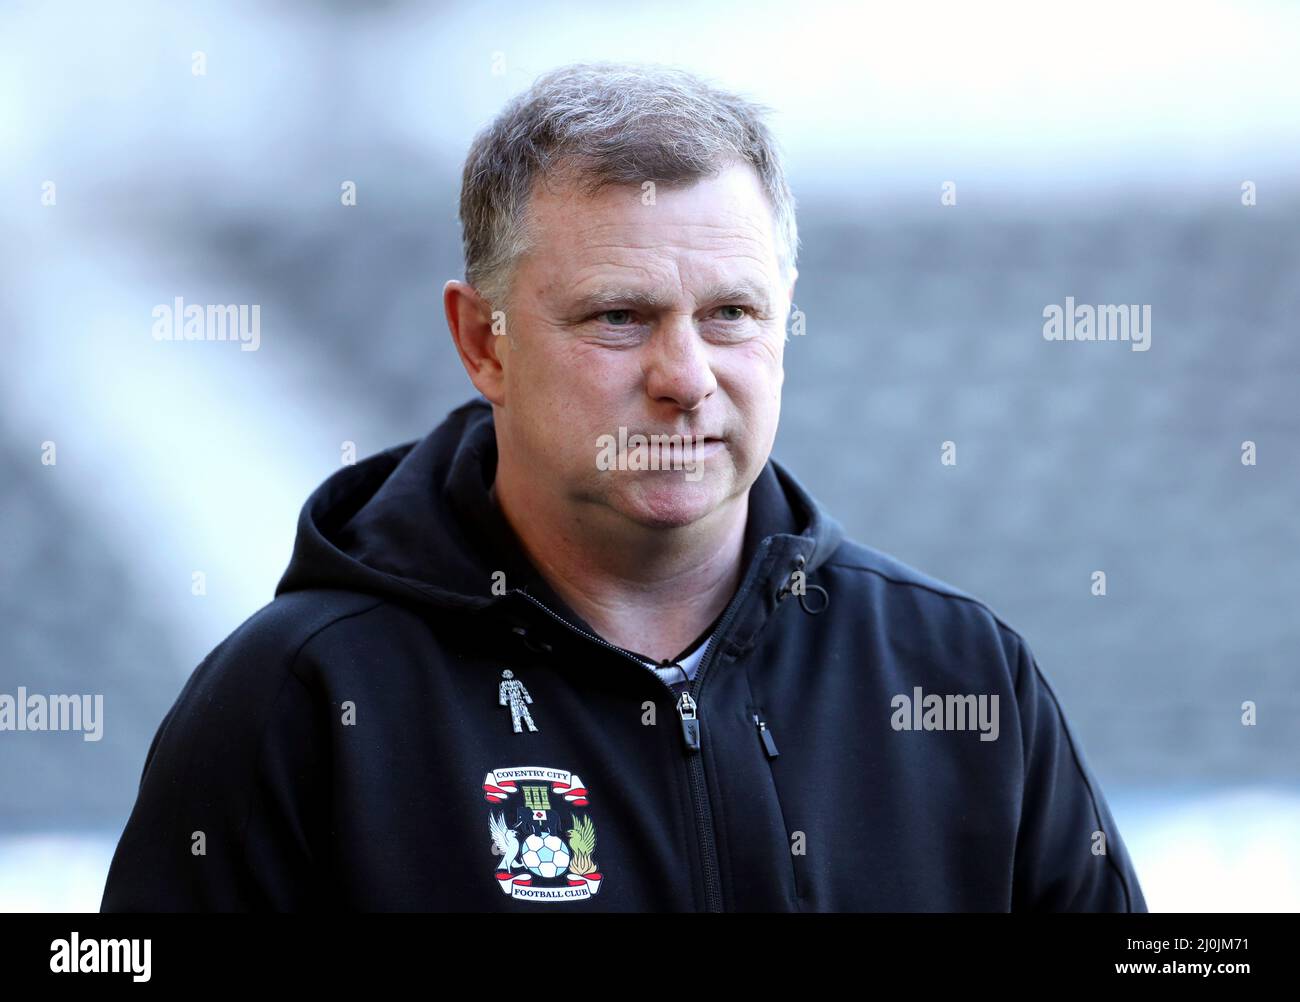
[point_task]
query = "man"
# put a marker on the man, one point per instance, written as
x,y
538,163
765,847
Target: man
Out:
x,y
534,659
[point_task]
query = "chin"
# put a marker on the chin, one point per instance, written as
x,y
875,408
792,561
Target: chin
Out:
x,y
665,504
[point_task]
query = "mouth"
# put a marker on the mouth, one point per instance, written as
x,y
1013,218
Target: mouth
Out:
x,y
678,438
697,447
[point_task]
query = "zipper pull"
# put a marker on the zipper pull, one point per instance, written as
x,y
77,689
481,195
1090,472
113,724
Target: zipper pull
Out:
x,y
768,744
690,721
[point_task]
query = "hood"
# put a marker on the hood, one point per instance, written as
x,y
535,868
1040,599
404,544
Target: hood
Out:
x,y
415,523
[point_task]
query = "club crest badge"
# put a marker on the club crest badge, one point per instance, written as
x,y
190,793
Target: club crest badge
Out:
x,y
539,856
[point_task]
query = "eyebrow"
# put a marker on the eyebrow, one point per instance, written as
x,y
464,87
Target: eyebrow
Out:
x,y
743,291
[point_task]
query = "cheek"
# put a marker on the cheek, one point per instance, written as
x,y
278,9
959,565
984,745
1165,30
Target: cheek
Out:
x,y
774,349
557,379
766,352
601,384
573,393
758,376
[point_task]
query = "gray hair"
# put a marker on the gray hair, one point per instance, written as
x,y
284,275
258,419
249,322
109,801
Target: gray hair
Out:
x,y
602,124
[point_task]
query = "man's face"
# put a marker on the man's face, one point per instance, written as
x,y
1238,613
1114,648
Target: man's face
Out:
x,y
665,318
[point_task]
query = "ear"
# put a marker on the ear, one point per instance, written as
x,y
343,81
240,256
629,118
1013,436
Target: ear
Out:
x,y
479,337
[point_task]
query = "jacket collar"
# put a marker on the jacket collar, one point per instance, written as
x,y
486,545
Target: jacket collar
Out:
x,y
417,523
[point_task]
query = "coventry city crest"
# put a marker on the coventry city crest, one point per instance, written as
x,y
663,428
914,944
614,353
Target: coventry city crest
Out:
x,y
539,857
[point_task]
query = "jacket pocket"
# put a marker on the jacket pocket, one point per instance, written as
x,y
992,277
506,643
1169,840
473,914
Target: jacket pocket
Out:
x,y
765,740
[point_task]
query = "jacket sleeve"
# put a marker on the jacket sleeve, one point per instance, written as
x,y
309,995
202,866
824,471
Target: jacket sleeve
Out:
x,y
1069,854
229,799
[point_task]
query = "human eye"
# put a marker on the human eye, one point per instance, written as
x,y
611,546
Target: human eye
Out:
x,y
627,314
615,328
612,319
732,320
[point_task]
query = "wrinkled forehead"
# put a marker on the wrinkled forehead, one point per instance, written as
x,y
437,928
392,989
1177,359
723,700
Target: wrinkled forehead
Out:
x,y
717,231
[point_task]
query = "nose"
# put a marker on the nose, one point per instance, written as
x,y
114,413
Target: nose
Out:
x,y
676,365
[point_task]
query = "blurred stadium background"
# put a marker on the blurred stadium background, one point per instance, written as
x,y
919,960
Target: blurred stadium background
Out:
x,y
1098,151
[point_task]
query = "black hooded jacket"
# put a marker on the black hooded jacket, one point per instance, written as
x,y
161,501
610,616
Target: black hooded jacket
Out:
x,y
352,745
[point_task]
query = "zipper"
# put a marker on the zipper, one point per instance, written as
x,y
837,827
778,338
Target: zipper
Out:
x,y
688,712
600,640
690,721
688,709
765,736
685,706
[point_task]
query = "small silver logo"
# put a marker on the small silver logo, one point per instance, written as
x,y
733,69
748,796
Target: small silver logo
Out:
x,y
512,693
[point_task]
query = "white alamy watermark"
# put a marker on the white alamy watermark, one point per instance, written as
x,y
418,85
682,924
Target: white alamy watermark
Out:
x,y
37,712
75,955
652,452
952,712
178,322
1098,323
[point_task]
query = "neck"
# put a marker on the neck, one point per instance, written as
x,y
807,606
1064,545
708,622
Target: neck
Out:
x,y
650,590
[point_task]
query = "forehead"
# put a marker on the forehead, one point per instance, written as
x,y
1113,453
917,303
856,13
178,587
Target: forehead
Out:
x,y
715,228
